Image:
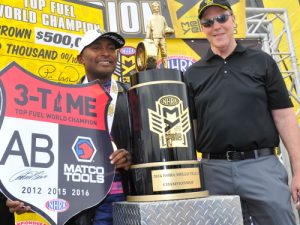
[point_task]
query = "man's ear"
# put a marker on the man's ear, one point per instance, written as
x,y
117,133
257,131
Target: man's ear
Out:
x,y
80,59
233,17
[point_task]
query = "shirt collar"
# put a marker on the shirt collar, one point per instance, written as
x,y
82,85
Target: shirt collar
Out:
x,y
238,49
85,80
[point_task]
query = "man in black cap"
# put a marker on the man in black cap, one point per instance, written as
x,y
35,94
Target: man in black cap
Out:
x,y
97,53
241,106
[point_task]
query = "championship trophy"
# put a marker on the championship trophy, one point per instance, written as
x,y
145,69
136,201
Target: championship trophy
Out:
x,y
164,164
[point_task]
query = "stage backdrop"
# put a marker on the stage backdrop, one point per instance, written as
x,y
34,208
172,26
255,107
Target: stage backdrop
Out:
x,y
129,18
43,35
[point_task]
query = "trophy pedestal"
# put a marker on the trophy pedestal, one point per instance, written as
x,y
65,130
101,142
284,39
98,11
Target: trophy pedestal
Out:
x,y
215,210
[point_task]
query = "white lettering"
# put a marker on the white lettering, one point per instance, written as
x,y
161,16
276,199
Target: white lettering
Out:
x,y
17,14
62,9
129,15
84,173
131,20
67,24
35,4
112,16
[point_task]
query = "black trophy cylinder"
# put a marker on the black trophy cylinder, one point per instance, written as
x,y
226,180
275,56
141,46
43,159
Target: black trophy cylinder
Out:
x,y
164,165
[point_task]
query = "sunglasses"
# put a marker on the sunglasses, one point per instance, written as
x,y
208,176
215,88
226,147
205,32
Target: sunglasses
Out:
x,y
220,19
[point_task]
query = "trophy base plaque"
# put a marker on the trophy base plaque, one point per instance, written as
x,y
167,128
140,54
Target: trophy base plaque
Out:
x,y
163,197
217,210
166,181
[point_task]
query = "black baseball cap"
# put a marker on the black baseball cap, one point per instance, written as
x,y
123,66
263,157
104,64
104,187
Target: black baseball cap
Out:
x,y
204,4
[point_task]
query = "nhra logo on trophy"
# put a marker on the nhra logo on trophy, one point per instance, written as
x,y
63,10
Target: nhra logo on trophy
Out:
x,y
170,121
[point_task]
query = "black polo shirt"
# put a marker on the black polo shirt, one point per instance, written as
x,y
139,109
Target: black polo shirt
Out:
x,y
232,100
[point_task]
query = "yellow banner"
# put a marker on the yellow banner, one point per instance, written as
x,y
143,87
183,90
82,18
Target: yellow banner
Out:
x,y
184,15
42,36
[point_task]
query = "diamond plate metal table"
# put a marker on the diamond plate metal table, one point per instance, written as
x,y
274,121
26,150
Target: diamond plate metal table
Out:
x,y
213,210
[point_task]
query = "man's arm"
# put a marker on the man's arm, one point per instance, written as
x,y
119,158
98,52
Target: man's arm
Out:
x,y
287,126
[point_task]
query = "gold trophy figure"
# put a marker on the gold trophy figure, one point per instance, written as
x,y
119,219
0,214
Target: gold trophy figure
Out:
x,y
157,30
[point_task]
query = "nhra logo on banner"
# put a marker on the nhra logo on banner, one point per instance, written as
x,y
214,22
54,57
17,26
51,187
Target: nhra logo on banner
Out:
x,y
178,62
126,64
55,145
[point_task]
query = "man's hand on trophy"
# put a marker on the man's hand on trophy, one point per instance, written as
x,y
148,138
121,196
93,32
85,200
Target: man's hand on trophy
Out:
x,y
121,158
17,207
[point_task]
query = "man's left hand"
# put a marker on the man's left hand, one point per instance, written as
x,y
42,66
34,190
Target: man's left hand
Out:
x,y
296,190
